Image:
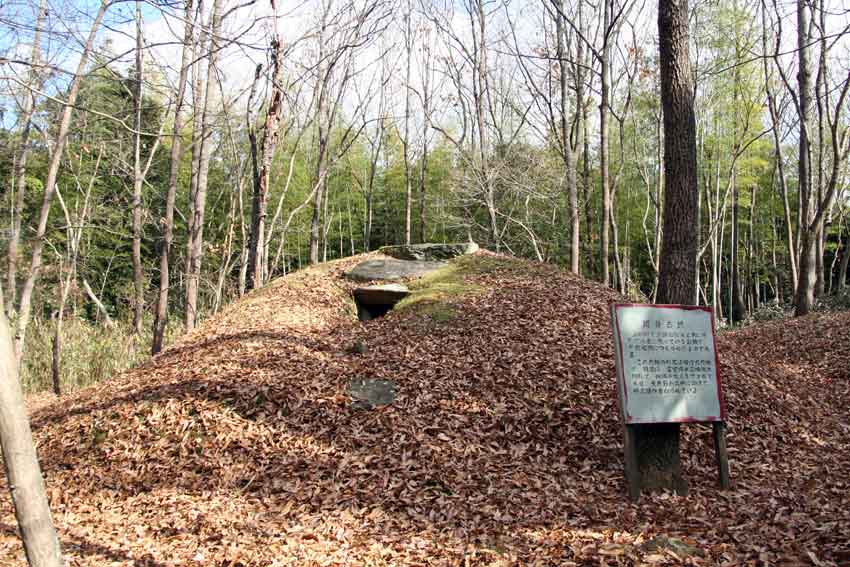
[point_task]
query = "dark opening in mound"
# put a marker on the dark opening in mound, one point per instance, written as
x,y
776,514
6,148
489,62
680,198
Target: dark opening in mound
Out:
x,y
377,300
367,312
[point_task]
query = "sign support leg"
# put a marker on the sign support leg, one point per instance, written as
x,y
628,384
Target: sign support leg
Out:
x,y
632,470
722,455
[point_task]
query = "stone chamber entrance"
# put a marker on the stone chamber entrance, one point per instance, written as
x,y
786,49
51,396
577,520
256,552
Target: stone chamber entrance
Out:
x,y
377,300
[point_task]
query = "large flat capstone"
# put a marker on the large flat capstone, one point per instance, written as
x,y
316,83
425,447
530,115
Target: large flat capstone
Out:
x,y
430,252
385,293
391,269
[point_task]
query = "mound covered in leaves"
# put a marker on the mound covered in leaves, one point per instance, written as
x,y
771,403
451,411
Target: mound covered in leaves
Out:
x,y
239,445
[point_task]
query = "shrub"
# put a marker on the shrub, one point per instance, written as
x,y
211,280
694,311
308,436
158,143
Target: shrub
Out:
x,y
91,352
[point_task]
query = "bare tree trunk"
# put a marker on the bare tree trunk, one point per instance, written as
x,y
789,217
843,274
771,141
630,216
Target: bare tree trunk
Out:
x,y
821,98
604,246
25,308
322,85
138,272
370,187
805,296
567,145
256,248
737,309
21,462
780,165
98,303
408,182
19,179
161,315
198,105
582,135
658,444
480,97
195,248
426,117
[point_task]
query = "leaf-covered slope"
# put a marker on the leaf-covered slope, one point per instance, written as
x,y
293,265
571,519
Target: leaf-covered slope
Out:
x,y
238,445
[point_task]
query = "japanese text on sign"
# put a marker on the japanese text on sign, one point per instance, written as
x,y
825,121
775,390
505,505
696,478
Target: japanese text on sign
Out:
x,y
666,364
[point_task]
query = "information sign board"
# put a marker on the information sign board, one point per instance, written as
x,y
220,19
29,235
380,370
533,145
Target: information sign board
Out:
x,y
666,362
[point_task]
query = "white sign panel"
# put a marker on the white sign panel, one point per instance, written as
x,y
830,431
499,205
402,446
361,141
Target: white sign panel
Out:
x,y
666,363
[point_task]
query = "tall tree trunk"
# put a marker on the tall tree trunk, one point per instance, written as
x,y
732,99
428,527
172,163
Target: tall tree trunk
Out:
x,y
19,178
567,145
658,444
582,113
405,143
821,98
257,246
777,153
198,104
195,247
423,178
322,134
21,462
25,308
480,99
805,297
138,272
370,186
426,116
161,314
604,245
737,309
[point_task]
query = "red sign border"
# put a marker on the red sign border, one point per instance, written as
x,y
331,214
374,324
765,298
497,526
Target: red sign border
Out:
x,y
621,382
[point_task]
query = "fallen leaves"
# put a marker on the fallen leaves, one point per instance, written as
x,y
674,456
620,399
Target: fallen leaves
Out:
x,y
238,445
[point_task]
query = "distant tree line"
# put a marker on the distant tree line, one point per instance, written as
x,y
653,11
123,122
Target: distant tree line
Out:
x,y
162,160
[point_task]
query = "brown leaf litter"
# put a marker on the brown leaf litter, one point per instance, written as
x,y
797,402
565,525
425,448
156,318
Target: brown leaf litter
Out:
x,y
238,446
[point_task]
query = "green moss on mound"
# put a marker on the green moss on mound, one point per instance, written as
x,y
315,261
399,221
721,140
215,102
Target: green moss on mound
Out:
x,y
435,294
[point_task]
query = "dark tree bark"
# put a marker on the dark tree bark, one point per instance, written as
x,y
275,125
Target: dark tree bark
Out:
x,y
658,444
262,171
677,278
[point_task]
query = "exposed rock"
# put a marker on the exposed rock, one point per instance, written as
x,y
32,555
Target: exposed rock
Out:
x,y
376,300
391,269
677,546
359,347
368,393
430,252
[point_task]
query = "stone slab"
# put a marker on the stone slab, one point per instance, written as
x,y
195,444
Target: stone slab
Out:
x,y
368,393
391,269
381,294
430,252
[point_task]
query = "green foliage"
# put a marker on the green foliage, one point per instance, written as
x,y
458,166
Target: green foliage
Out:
x,y
91,352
